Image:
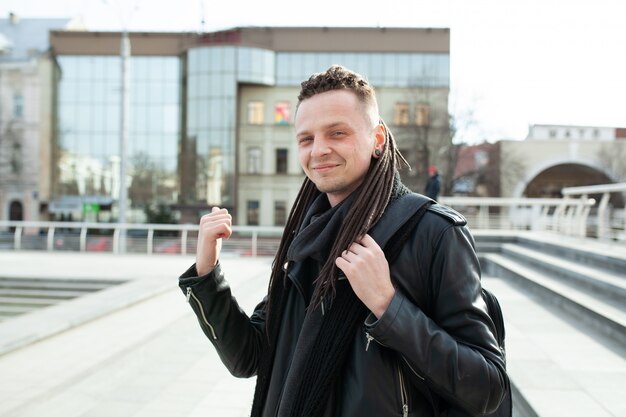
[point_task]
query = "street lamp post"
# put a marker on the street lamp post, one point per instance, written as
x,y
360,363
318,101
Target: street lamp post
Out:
x,y
124,116
124,125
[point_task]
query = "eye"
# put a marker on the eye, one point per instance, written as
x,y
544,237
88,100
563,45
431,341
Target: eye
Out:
x,y
338,133
305,139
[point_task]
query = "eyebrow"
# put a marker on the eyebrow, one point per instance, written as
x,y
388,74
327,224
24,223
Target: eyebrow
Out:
x,y
328,126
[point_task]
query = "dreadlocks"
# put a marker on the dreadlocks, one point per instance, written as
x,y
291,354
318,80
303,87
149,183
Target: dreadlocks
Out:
x,y
370,200
372,195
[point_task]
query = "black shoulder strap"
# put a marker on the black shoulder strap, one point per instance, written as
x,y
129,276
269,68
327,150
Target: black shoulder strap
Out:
x,y
397,222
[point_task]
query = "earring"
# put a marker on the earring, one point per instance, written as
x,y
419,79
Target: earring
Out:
x,y
377,152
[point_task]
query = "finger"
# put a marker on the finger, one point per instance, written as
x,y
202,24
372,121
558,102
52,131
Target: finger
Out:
x,y
356,248
342,264
217,211
207,226
226,232
349,256
367,241
216,216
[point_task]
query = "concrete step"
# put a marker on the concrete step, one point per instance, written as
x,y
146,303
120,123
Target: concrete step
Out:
x,y
488,241
35,293
16,309
608,256
557,366
26,301
605,285
601,316
53,284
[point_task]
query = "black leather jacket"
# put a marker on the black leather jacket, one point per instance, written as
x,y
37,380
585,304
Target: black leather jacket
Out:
x,y
452,348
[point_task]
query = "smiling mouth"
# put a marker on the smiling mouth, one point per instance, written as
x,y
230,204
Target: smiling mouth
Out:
x,y
324,168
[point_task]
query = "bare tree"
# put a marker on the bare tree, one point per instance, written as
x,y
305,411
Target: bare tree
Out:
x,y
151,184
612,157
422,128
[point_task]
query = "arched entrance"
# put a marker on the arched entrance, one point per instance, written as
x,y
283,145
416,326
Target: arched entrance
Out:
x,y
16,211
550,181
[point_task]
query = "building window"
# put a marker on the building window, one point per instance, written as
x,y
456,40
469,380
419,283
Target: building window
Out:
x,y
18,106
254,160
253,212
422,114
280,213
281,161
255,113
401,114
481,159
282,113
552,133
596,133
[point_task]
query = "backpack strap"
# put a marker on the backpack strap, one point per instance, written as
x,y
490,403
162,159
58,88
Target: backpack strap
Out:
x,y
391,233
398,221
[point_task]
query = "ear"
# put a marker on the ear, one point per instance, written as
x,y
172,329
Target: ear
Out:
x,y
380,137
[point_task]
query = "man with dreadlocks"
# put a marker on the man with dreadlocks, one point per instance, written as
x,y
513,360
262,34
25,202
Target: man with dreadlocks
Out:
x,y
342,332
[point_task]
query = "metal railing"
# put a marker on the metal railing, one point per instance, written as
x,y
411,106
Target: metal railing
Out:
x,y
140,238
569,215
611,222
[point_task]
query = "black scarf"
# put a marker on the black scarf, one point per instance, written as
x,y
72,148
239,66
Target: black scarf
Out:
x,y
326,337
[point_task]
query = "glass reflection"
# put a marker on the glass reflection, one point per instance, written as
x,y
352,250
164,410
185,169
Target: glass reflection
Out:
x,y
88,128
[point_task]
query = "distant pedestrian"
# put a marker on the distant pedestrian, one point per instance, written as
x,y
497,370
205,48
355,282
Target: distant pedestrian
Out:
x,y
434,183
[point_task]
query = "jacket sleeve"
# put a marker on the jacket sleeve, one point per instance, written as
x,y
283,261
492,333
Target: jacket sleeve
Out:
x,y
453,348
236,337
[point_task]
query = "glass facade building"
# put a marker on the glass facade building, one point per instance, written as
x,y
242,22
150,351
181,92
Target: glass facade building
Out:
x,y
87,128
214,73
188,120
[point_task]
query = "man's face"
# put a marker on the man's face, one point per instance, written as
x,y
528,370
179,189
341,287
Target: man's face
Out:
x,y
336,141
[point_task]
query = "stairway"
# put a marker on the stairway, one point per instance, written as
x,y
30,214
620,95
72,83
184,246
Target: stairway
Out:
x,y
565,309
23,295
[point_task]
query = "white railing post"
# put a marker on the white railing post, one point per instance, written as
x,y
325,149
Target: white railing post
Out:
x,y
116,240
543,218
254,243
17,238
483,217
183,243
150,241
586,209
83,239
50,241
603,216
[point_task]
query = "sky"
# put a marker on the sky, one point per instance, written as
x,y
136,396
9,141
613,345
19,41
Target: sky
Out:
x,y
513,63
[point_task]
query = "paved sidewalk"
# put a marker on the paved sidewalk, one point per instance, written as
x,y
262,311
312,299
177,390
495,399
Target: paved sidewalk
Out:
x,y
147,359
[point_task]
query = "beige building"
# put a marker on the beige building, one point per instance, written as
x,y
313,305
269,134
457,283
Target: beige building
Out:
x,y
556,156
25,115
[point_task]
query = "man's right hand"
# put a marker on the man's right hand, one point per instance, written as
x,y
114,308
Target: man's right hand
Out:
x,y
213,227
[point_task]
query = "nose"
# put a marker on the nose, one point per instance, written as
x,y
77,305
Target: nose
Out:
x,y
320,148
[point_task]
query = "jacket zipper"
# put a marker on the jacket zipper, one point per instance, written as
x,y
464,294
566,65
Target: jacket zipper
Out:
x,y
190,294
403,396
369,338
